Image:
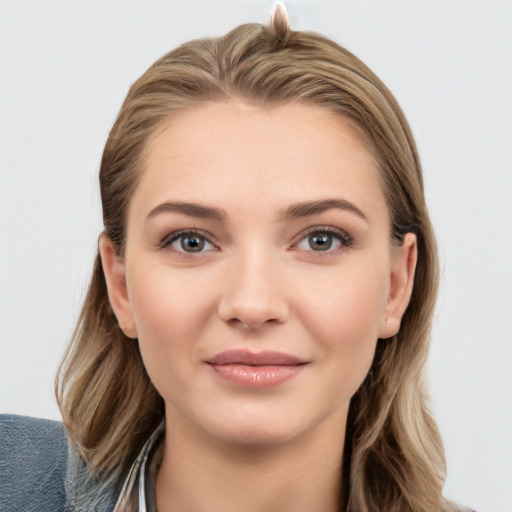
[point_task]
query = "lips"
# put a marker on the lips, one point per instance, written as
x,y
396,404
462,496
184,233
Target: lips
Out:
x,y
256,369
265,358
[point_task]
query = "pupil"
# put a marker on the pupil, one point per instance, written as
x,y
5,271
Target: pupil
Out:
x,y
320,242
192,244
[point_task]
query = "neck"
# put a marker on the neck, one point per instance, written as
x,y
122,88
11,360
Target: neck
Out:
x,y
201,474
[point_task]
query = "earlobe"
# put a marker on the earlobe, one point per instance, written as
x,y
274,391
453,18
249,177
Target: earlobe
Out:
x,y
115,277
400,285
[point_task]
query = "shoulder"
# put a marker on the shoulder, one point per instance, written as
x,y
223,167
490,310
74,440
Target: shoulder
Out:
x,y
41,472
33,461
14,429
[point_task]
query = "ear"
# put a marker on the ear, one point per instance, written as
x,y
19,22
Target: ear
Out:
x,y
115,276
403,266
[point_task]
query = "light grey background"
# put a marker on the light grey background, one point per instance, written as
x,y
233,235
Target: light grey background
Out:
x,y
65,67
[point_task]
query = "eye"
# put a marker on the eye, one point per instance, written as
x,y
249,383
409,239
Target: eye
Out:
x,y
324,239
187,241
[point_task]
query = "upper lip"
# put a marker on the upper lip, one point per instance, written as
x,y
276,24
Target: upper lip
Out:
x,y
263,358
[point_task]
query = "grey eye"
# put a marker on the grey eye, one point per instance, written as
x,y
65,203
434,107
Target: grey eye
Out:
x,y
187,241
192,243
320,242
324,239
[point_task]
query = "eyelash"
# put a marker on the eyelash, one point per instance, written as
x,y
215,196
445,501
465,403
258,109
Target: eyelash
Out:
x,y
345,240
190,233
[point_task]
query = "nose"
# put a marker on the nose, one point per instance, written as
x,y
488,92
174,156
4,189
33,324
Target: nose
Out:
x,y
253,293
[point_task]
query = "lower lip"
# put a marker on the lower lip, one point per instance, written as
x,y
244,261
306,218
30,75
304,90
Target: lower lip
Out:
x,y
256,376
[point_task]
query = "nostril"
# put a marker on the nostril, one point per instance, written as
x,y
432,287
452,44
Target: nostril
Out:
x,y
257,325
250,325
253,317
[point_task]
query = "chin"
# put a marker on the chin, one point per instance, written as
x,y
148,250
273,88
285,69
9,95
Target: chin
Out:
x,y
255,436
255,428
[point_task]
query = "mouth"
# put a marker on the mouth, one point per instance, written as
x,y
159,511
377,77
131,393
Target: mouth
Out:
x,y
256,369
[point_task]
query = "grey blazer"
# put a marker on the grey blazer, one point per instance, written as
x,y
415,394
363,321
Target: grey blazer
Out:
x,y
40,472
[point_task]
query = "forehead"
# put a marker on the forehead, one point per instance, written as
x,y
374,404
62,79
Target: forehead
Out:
x,y
241,155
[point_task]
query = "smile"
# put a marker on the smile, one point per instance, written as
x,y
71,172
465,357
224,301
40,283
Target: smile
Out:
x,y
256,369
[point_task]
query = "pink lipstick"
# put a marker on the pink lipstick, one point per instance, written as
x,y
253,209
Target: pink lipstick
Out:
x,y
256,369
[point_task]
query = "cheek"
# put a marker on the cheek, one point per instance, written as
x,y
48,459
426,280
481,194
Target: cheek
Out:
x,y
169,316
164,304
349,303
344,317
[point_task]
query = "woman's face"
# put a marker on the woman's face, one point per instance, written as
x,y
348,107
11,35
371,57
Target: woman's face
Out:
x,y
258,273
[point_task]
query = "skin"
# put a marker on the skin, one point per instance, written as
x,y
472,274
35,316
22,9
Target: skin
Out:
x,y
258,282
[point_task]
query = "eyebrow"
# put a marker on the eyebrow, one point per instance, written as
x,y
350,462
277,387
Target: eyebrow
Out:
x,y
190,209
293,211
314,207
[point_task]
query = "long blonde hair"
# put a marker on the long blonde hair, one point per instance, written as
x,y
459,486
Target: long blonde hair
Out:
x,y
394,458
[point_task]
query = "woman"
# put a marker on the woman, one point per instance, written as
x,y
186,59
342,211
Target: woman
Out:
x,y
256,328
